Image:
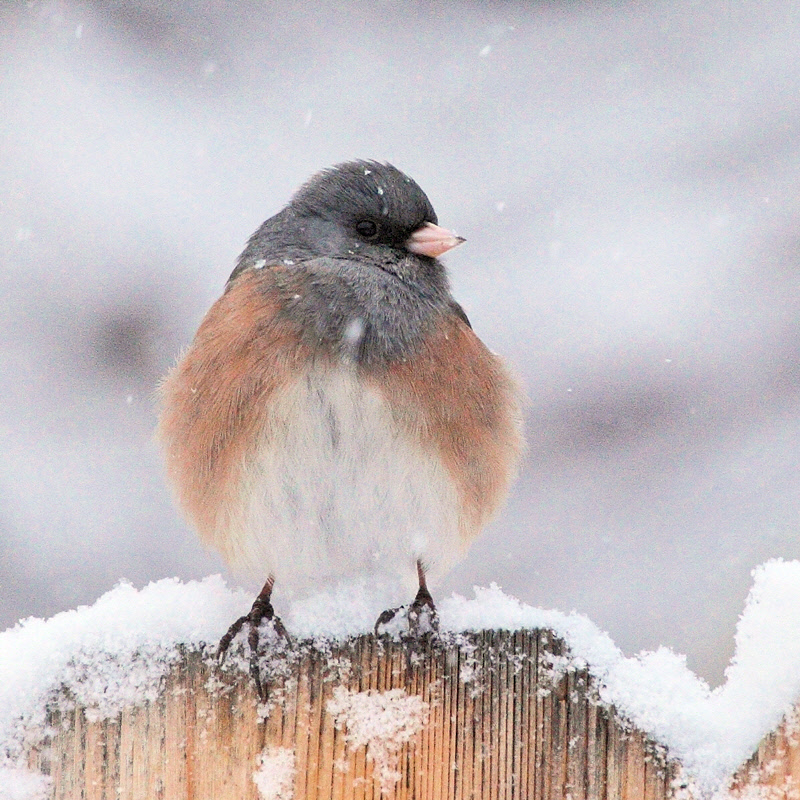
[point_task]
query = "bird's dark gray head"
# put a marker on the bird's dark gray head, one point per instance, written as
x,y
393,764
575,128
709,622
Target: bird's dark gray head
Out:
x,y
370,202
357,249
361,211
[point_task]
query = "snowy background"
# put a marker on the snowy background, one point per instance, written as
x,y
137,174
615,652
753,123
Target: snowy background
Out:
x,y
627,176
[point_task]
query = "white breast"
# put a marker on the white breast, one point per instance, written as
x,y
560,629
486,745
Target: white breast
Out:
x,y
337,492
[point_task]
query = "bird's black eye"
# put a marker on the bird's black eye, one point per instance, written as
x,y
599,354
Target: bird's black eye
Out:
x,y
367,228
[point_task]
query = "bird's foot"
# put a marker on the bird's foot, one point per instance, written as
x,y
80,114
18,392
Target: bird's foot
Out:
x,y
261,611
422,616
423,621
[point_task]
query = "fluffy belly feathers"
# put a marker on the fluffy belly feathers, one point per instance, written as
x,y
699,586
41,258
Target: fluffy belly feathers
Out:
x,y
335,489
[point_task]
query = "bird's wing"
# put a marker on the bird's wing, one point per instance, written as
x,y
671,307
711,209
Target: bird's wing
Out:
x,y
461,402
215,399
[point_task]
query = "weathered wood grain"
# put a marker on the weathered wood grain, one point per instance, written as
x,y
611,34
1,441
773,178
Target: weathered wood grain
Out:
x,y
506,719
773,772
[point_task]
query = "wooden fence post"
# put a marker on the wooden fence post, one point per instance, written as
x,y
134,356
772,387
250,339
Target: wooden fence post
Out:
x,y
491,715
773,771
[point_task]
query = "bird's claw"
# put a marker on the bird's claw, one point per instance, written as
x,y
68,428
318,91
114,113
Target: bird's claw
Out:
x,y
422,617
261,610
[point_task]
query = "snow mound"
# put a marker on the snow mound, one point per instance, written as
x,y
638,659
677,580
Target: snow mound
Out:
x,y
22,784
274,777
107,655
383,721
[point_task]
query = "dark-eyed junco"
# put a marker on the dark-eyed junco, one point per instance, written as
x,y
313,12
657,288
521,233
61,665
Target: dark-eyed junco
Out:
x,y
335,415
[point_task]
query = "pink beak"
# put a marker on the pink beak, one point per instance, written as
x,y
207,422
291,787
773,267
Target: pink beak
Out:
x,y
431,240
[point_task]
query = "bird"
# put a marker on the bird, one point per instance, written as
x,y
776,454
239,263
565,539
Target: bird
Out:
x,y
335,414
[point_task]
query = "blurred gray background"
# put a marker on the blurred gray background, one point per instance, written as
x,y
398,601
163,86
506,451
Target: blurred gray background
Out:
x,y
627,175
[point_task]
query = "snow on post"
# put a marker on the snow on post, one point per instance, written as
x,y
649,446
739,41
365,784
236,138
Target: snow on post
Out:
x,y
124,699
490,714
